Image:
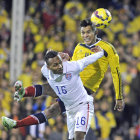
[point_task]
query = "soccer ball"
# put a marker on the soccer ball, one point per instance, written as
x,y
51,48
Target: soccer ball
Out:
x,y
101,18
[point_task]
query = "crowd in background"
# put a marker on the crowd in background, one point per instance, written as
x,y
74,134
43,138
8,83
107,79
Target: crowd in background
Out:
x,y
54,24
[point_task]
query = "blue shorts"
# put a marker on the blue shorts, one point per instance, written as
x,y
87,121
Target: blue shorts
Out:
x,y
61,104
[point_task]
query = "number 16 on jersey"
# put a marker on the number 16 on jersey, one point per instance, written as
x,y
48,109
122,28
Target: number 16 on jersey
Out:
x,y
61,90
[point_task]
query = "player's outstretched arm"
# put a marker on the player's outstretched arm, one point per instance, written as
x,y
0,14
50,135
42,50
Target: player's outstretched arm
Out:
x,y
99,52
32,91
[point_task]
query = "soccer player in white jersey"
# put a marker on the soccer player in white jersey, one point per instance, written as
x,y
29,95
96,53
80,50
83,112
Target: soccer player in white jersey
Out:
x,y
63,77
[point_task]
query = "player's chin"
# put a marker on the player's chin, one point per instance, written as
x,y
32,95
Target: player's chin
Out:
x,y
88,42
60,71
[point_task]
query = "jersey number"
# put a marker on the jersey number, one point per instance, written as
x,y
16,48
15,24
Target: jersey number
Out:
x,y
61,90
81,121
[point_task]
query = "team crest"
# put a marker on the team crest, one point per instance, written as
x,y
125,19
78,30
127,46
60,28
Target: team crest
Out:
x,y
68,76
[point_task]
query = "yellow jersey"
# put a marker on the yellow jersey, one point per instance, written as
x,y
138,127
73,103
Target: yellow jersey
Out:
x,y
93,74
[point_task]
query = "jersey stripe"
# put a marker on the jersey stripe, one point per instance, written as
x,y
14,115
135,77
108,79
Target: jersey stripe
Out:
x,y
87,116
120,84
110,46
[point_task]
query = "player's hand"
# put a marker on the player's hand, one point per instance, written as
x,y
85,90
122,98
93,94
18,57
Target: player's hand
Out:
x,y
96,49
119,105
64,56
19,91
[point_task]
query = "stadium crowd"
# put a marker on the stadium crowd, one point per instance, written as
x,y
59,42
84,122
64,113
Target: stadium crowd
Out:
x,y
55,25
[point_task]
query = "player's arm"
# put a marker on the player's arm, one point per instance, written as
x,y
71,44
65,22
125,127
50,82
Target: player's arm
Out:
x,y
32,91
113,59
91,58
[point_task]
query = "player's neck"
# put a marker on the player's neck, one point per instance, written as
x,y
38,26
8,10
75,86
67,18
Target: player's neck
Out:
x,y
59,73
93,42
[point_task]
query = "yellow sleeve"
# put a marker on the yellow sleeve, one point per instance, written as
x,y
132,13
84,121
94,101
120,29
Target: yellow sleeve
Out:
x,y
113,60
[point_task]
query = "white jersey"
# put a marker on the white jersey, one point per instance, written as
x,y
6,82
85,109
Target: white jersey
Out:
x,y
68,86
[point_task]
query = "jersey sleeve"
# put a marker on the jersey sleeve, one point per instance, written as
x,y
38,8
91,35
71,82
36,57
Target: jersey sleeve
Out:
x,y
89,59
113,59
79,65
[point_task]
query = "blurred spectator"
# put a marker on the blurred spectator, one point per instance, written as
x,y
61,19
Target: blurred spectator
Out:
x,y
48,15
106,120
39,105
118,137
131,134
28,38
4,135
55,43
37,131
5,33
59,133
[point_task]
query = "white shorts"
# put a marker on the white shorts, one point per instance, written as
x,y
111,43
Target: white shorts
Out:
x,y
79,118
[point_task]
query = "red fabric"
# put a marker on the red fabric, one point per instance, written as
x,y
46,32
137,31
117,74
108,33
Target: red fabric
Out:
x,y
27,121
48,19
137,130
87,116
22,129
29,91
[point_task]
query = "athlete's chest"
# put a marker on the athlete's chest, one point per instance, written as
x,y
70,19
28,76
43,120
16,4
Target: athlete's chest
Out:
x,y
65,84
64,79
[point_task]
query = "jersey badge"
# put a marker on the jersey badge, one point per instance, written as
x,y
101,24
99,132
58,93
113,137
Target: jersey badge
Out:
x,y
68,76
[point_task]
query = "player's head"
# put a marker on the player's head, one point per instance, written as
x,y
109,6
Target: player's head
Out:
x,y
88,31
54,62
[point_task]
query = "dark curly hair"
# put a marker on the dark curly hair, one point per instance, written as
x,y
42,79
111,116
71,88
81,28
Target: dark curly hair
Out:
x,y
50,54
87,22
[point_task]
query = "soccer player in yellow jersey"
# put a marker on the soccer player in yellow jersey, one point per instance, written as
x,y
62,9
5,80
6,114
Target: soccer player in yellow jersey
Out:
x,y
91,76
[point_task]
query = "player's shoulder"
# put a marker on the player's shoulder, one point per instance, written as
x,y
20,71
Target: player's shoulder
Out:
x,y
108,47
44,68
106,44
78,46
